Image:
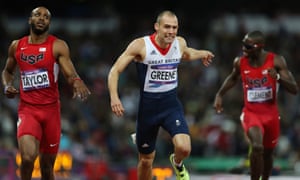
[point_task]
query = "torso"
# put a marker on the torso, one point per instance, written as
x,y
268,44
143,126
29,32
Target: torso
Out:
x,y
158,70
38,71
260,90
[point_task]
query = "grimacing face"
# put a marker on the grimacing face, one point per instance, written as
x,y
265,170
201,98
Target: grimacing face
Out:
x,y
167,28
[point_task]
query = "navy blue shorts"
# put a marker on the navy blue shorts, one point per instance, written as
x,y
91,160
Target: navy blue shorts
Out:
x,y
166,112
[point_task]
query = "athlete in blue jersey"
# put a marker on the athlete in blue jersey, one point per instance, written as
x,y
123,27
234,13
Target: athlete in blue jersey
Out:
x,y
157,57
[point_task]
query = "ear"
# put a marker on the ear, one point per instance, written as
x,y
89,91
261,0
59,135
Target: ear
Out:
x,y
156,26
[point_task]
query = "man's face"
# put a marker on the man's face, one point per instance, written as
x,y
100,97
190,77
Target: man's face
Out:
x,y
250,47
40,20
167,29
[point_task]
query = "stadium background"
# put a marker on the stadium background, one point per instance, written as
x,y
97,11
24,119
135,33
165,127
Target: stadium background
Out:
x,y
98,143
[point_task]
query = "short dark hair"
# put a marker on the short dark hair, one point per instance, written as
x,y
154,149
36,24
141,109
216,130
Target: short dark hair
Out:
x,y
257,36
163,13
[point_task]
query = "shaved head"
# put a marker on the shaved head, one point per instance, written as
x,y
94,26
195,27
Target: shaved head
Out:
x,y
256,37
165,13
37,9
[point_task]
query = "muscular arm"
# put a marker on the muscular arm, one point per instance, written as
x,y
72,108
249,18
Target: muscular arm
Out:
x,y
191,54
228,83
134,51
62,54
9,70
287,79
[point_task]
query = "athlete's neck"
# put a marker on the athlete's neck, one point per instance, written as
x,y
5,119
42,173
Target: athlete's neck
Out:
x,y
159,43
37,39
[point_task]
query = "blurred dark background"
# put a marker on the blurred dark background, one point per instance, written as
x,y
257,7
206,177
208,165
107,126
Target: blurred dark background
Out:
x,y
98,31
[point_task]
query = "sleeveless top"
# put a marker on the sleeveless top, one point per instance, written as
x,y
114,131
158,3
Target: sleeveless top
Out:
x,y
38,71
260,89
158,71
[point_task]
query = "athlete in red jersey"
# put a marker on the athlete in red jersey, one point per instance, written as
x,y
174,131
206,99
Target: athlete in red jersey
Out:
x,y
261,72
39,58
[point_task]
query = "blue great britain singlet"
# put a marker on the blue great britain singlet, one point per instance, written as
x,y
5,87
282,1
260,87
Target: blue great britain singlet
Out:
x,y
159,106
158,72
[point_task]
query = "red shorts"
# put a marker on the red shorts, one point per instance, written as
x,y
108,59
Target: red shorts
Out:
x,y
42,122
269,123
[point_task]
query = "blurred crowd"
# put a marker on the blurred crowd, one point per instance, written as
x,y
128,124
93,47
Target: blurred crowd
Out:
x,y
89,128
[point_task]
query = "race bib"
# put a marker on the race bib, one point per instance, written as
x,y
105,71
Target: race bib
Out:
x,y
161,78
259,95
36,79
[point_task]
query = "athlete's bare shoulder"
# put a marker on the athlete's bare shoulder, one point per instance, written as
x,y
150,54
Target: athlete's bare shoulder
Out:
x,y
13,47
60,42
14,43
236,63
181,40
182,43
237,59
280,62
137,43
136,48
60,47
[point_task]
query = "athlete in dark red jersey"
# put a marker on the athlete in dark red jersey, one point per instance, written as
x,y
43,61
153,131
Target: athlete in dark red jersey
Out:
x,y
40,57
261,72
